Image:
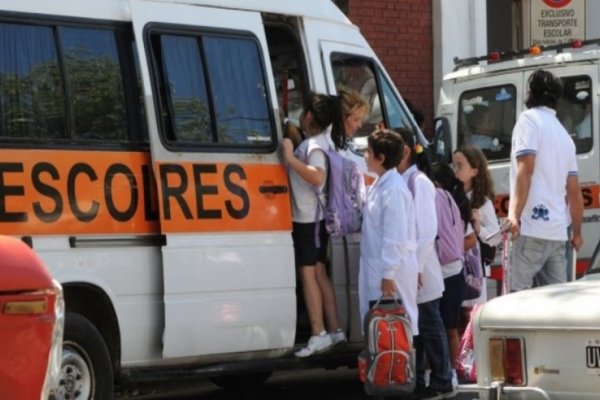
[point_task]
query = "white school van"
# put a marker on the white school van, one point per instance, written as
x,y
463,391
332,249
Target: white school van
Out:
x,y
139,157
481,100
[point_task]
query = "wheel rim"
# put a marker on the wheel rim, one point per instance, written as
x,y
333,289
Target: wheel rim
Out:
x,y
76,377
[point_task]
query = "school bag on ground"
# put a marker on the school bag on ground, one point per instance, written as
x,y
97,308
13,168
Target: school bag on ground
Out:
x,y
449,241
387,365
343,209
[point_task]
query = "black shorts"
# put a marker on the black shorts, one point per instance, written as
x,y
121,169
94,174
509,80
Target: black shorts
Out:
x,y
306,251
452,299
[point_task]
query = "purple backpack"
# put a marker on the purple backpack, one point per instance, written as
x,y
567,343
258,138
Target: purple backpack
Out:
x,y
450,232
343,209
450,226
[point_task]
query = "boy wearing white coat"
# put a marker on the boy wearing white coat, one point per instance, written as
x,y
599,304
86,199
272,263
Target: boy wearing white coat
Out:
x,y
388,263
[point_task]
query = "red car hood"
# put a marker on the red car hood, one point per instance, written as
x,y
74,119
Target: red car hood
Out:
x,y
20,268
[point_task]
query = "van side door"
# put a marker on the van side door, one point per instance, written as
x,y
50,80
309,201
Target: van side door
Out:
x,y
228,263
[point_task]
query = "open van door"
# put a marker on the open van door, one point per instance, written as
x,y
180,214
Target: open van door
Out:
x,y
228,263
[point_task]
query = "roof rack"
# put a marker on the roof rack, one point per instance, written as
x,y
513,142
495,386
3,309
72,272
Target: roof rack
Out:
x,y
497,56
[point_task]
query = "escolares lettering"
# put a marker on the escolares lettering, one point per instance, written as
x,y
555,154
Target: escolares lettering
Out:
x,y
51,203
46,178
175,184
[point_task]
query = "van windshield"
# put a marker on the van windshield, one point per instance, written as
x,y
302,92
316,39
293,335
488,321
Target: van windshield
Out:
x,y
486,118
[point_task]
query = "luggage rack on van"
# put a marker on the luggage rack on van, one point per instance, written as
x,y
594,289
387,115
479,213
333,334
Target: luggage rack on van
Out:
x,y
496,56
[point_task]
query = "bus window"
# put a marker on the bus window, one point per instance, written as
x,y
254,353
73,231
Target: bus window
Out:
x,y
486,118
575,111
95,85
396,114
357,73
360,74
81,100
198,76
32,101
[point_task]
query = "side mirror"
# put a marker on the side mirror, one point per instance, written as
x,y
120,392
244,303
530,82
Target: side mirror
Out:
x,y
441,147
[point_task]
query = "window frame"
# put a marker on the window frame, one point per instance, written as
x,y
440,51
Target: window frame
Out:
x,y
136,131
504,152
154,31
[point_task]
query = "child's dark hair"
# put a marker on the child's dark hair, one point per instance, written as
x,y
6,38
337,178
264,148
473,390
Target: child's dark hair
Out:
x,y
545,89
389,144
322,108
483,185
442,175
418,153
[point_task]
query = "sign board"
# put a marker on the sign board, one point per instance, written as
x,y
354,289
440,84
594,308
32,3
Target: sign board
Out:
x,y
557,21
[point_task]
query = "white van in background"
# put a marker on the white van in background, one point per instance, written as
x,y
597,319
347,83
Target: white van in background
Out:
x,y
139,157
481,100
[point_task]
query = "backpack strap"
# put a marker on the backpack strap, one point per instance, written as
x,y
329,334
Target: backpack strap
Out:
x,y
320,205
411,181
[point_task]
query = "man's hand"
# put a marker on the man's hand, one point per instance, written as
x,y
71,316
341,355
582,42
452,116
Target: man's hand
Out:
x,y
576,241
514,227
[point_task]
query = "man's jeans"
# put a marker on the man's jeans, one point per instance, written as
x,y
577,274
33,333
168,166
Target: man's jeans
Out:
x,y
432,342
536,262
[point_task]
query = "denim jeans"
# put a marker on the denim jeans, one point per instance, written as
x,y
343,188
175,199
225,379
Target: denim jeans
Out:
x,y
536,262
432,343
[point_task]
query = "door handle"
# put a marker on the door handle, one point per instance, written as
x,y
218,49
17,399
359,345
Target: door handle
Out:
x,y
272,189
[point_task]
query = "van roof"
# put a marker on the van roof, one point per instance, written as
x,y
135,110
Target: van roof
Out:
x,y
318,9
119,9
525,63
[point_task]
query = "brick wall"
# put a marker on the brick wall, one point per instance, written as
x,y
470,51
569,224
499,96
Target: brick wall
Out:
x,y
400,32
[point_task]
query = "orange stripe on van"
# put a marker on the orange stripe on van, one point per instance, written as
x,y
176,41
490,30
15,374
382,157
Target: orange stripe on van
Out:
x,y
51,192
223,197
590,193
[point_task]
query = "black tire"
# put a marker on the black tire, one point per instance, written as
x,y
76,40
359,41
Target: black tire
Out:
x,y
241,382
86,370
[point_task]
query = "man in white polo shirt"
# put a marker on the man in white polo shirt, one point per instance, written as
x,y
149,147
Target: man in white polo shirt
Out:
x,y
544,189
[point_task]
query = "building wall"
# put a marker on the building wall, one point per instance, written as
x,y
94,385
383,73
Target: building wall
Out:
x,y
400,31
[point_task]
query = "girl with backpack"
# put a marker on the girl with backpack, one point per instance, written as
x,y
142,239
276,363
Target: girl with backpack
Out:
x,y
432,342
471,168
308,173
443,177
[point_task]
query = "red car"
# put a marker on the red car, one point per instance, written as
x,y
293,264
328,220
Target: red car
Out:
x,y
31,323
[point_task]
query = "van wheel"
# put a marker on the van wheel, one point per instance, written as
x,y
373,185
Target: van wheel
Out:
x,y
242,381
86,369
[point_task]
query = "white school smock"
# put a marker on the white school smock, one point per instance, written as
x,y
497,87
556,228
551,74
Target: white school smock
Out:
x,y
388,244
432,278
488,224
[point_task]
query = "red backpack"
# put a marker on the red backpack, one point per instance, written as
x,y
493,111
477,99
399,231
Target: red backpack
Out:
x,y
387,365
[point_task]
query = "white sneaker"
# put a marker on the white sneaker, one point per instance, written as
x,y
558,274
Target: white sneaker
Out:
x,y
338,337
316,344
